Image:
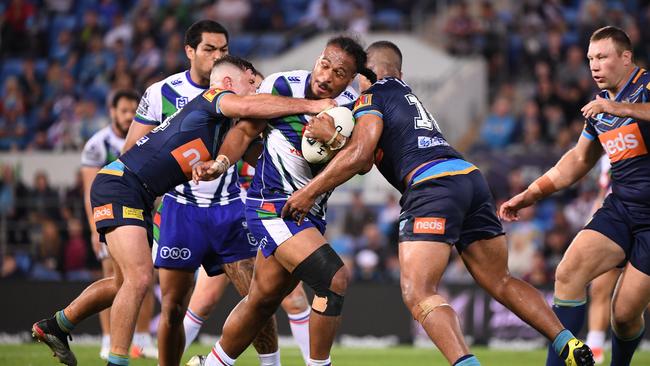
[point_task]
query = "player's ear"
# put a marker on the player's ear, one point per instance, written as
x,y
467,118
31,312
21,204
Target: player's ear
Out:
x,y
627,57
190,52
227,82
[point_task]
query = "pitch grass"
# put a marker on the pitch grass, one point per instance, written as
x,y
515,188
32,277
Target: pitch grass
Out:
x,y
40,355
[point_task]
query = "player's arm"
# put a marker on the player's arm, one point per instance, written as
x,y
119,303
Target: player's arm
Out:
x,y
270,106
88,174
357,156
638,111
233,148
136,131
575,164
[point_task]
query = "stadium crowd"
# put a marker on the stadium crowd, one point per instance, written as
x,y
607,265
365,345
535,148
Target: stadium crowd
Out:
x,y
61,60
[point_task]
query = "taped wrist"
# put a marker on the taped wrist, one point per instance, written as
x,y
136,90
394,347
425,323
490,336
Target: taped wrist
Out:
x,y
317,271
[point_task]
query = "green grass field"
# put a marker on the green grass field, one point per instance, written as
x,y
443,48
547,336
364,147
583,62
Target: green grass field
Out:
x,y
39,355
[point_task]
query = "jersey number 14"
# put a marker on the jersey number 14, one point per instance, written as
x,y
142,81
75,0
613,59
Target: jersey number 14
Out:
x,y
424,120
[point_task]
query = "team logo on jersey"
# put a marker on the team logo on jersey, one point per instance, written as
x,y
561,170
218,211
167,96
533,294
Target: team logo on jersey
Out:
x,y
429,225
181,102
177,82
211,94
189,154
293,79
425,142
363,101
348,95
103,212
175,253
623,143
132,213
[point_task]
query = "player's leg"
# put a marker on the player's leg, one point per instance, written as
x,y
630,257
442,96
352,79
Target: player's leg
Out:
x,y
54,332
143,345
297,308
129,247
206,295
240,274
600,295
175,286
422,265
104,315
271,282
631,298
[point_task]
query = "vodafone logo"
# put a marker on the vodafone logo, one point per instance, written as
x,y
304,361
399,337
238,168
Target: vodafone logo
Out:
x,y
175,253
103,212
429,225
623,143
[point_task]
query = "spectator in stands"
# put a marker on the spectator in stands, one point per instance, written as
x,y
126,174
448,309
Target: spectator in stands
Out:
x,y
460,29
266,17
16,23
12,115
538,275
147,60
556,242
43,199
48,263
120,31
75,252
499,127
31,84
230,13
357,216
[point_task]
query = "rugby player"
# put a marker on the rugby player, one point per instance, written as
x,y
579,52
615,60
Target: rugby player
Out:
x,y
208,290
123,192
215,204
288,252
617,235
445,202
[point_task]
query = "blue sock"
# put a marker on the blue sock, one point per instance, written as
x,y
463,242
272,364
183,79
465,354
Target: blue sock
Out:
x,y
117,360
623,349
467,360
63,322
572,315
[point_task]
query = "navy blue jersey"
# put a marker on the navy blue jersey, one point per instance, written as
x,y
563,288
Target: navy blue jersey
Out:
x,y
411,136
163,158
625,140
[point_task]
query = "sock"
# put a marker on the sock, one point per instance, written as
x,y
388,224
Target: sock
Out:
x,y
623,349
118,360
142,340
64,324
572,315
218,357
327,362
595,339
192,324
467,360
270,359
106,343
299,324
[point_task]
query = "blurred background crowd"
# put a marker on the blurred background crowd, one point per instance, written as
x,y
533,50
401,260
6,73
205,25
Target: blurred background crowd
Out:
x,y
61,59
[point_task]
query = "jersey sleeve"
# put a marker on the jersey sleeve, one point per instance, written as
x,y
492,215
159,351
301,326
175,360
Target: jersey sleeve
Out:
x,y
94,153
267,84
589,131
149,110
368,103
213,96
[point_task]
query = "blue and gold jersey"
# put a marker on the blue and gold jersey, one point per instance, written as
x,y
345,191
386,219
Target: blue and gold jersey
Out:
x,y
164,157
411,136
626,141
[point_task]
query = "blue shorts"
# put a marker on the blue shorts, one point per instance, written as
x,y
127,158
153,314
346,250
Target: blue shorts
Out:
x,y
628,225
191,236
269,229
118,198
448,201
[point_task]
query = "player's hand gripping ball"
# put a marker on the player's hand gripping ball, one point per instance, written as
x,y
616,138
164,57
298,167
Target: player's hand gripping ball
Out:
x,y
317,152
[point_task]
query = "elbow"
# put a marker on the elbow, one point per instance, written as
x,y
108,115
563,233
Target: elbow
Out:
x,y
364,163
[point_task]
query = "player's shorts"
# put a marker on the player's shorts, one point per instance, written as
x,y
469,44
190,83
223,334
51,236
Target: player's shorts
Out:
x,y
269,229
448,201
191,236
118,198
628,225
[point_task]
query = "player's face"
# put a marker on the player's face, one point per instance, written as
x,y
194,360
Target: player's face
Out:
x,y
608,66
258,81
212,47
333,71
243,83
123,114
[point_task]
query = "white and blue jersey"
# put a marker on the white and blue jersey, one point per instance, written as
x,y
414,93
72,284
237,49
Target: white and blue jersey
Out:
x,y
281,169
102,148
159,102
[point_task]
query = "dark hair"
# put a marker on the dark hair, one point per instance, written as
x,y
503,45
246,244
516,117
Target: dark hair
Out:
x,y
194,33
369,74
388,45
352,48
236,61
617,35
125,93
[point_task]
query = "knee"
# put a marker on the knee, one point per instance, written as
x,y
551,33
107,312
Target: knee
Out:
x,y
296,301
172,312
340,281
263,300
624,317
563,275
140,282
413,291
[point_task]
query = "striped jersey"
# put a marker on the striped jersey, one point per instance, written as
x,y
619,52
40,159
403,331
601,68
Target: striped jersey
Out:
x,y
159,102
281,169
626,141
102,148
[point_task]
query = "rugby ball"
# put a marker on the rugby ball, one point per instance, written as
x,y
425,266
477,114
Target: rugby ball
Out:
x,y
316,152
